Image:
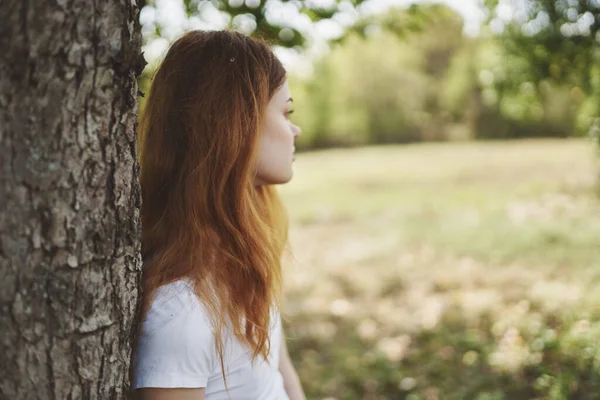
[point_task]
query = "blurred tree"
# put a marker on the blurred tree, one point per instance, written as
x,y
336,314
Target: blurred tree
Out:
x,y
558,39
382,88
261,19
255,12
553,46
69,228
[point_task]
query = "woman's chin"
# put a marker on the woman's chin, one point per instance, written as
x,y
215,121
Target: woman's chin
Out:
x,y
283,179
274,179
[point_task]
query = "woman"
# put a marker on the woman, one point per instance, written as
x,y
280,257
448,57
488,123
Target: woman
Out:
x,y
214,139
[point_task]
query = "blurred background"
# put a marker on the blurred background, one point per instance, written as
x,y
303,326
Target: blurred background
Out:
x,y
445,218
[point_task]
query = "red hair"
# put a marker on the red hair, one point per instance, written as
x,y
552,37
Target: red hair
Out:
x,y
202,217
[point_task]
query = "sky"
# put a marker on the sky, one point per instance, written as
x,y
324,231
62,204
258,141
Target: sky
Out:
x,y
171,15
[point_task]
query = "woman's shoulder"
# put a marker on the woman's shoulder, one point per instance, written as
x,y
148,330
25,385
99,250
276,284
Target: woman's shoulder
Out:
x,y
179,291
175,303
176,343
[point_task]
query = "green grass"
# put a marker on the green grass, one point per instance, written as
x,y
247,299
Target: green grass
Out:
x,y
446,271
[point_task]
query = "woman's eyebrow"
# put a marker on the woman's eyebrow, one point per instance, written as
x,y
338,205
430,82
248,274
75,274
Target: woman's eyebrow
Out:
x,y
290,99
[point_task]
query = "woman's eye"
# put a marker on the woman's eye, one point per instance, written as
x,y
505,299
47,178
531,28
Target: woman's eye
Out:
x,y
287,113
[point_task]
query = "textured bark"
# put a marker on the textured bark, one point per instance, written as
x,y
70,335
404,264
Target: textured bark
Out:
x,y
69,223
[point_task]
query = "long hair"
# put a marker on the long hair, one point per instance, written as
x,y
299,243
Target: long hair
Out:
x,y
202,217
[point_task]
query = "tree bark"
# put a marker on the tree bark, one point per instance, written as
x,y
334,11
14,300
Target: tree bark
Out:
x,y
69,225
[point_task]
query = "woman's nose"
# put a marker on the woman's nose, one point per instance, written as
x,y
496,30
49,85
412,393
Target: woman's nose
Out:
x,y
297,131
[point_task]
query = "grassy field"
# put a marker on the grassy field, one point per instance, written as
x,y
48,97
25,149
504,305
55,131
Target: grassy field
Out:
x,y
446,271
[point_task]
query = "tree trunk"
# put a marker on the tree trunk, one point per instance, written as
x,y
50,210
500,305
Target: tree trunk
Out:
x,y
69,225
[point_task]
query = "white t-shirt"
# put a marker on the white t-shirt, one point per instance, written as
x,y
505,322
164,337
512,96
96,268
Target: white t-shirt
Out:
x,y
176,349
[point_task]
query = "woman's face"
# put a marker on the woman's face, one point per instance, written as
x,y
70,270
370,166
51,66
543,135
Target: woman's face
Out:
x,y
276,143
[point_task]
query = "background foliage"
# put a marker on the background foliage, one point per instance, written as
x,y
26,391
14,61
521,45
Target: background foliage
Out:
x,y
411,75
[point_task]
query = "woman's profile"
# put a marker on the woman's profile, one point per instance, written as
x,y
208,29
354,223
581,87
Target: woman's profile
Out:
x,y
214,138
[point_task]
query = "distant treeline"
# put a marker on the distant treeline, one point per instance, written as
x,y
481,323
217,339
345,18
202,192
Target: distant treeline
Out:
x,y
411,75
437,85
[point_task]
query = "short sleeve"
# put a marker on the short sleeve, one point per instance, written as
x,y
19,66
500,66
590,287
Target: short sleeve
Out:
x,y
175,348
